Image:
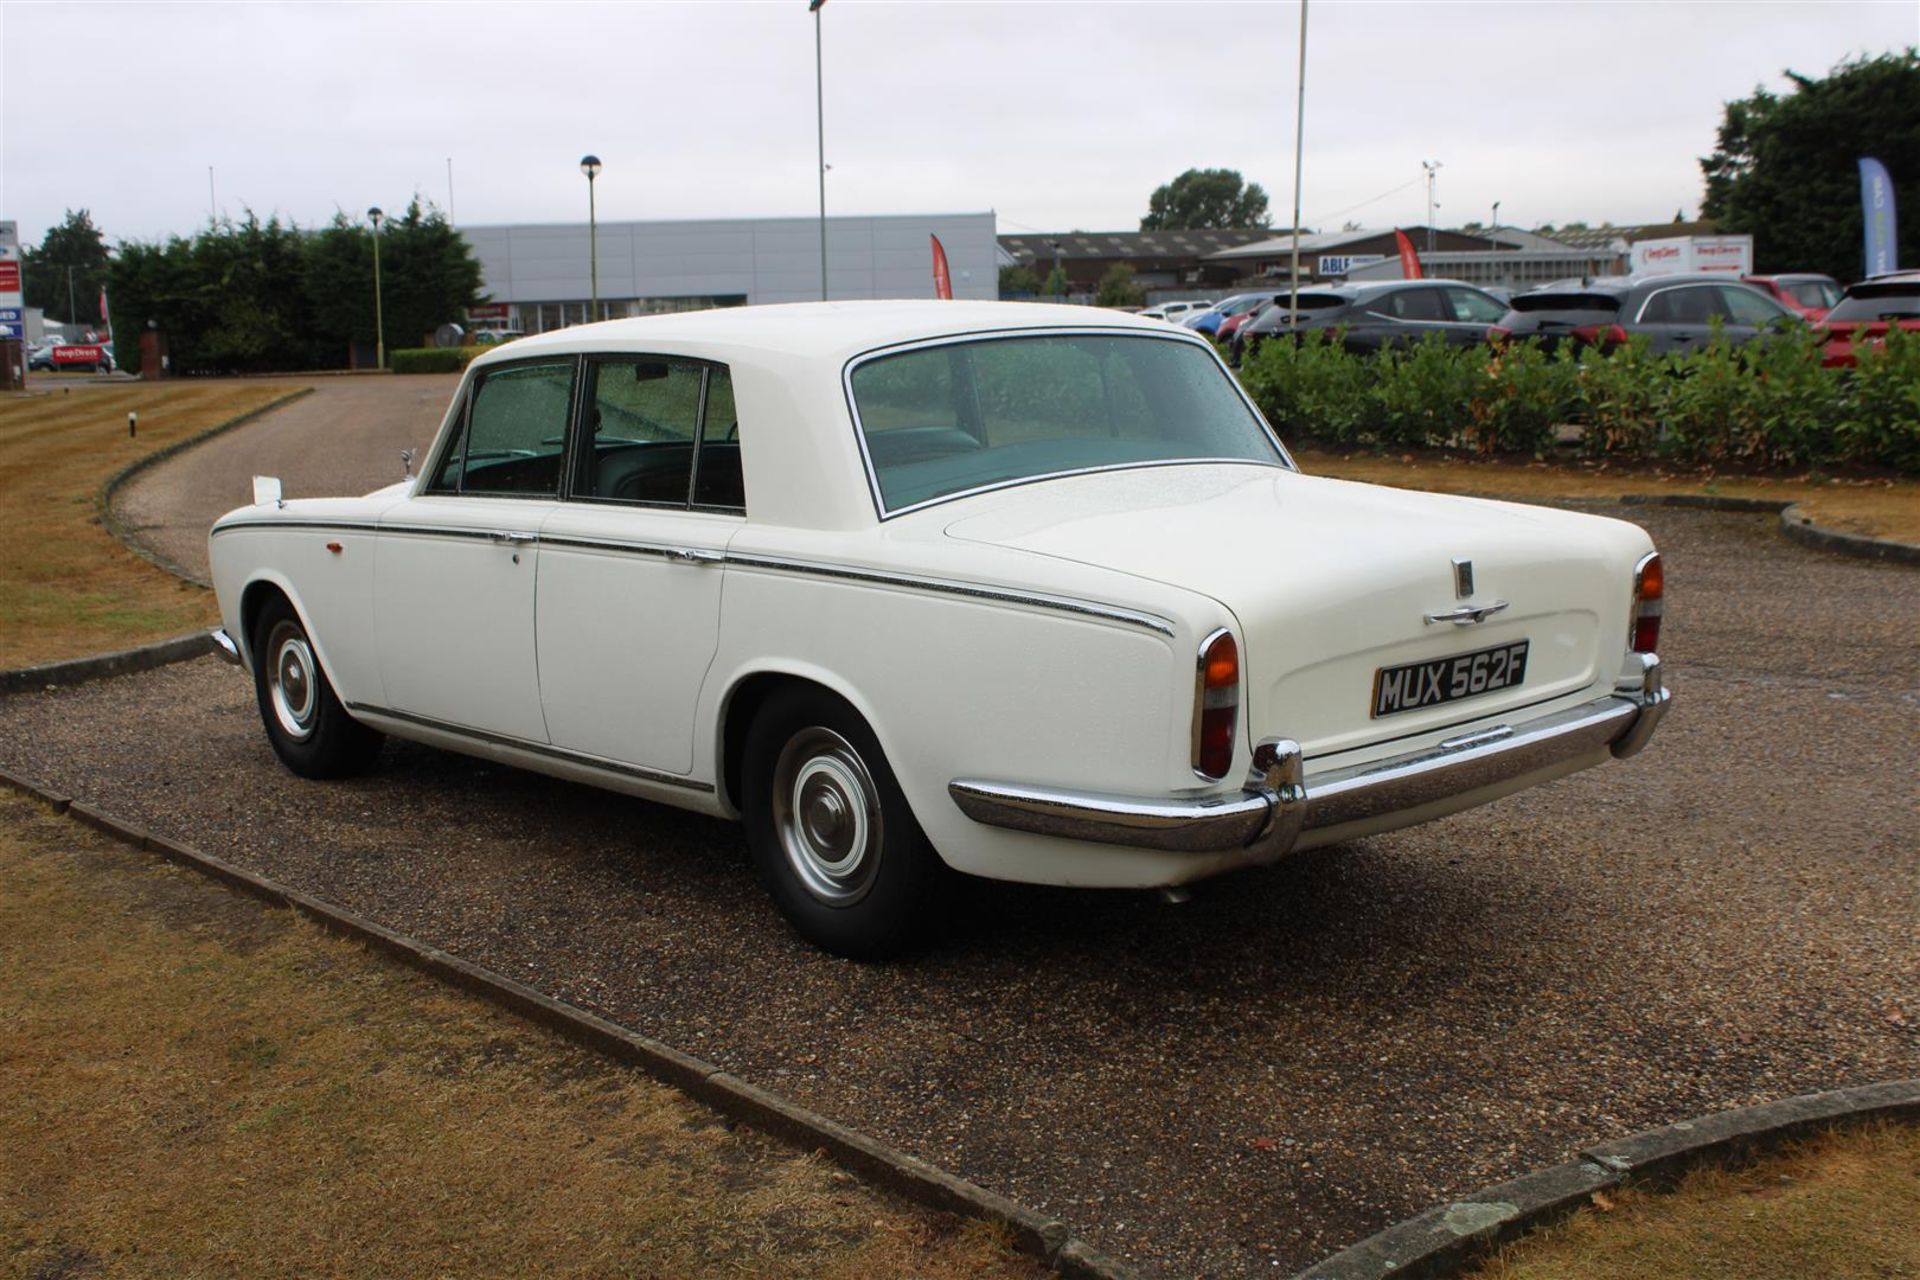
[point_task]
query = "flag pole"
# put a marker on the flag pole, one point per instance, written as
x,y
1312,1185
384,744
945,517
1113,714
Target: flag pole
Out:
x,y
1299,144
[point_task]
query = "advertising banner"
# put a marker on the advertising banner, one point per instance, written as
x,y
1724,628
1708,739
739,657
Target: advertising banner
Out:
x,y
1876,207
942,281
1409,260
10,264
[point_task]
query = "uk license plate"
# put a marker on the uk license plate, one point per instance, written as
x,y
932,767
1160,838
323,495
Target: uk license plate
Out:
x,y
1466,675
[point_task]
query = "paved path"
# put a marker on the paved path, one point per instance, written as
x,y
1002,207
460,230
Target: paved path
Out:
x,y
1289,1062
345,438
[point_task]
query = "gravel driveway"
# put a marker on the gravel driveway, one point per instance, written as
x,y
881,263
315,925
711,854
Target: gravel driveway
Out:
x,y
1292,1060
344,438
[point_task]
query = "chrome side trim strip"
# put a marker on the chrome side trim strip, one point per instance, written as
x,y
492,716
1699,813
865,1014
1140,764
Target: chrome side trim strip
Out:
x,y
971,590
355,526
775,564
1280,802
534,748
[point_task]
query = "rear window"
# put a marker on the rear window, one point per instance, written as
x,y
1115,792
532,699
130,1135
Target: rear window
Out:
x,y
1597,303
1813,293
1868,302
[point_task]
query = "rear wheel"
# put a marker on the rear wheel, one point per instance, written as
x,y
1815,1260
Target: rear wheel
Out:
x,y
830,831
310,731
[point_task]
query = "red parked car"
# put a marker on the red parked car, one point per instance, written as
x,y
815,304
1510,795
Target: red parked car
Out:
x,y
1864,314
1805,292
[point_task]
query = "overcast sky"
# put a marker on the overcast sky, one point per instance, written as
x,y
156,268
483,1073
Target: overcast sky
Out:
x,y
1056,115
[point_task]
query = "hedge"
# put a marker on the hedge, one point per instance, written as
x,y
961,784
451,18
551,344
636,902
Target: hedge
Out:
x,y
1767,405
434,359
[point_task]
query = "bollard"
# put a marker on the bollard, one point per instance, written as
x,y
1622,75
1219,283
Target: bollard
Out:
x,y
133,424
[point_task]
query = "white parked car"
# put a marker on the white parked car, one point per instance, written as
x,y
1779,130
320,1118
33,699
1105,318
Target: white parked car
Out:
x,y
1015,590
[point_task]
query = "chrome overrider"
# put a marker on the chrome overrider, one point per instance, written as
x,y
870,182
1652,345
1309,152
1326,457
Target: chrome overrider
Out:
x,y
1281,801
224,646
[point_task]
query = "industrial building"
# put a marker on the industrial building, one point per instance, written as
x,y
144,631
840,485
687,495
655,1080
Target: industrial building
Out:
x,y
540,276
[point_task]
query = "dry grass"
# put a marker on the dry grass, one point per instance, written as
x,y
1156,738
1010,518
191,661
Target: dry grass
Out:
x,y
194,1084
67,588
1882,508
1842,1207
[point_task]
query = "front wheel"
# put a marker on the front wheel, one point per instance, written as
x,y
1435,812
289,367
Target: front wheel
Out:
x,y
830,831
310,731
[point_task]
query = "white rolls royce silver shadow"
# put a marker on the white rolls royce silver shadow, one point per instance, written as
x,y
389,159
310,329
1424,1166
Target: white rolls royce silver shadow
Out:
x,y
1018,591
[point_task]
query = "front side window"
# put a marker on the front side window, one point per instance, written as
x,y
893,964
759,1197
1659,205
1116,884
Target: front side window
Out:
x,y
942,420
1746,306
515,432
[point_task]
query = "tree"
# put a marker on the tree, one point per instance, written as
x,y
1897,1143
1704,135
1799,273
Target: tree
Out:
x,y
428,276
1018,280
1206,198
1117,288
1785,170
1056,285
72,253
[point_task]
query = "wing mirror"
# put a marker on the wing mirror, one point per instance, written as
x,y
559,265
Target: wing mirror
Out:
x,y
266,492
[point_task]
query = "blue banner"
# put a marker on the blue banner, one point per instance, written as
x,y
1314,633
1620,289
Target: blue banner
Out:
x,y
1876,206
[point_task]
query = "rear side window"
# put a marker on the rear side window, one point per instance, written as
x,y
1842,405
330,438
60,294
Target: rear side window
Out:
x,y
514,436
659,432
1687,304
1412,304
1813,293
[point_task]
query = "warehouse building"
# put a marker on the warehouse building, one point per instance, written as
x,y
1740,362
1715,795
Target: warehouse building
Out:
x,y
538,276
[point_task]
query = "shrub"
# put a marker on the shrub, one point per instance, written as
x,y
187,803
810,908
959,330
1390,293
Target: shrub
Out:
x,y
1314,390
1421,394
1877,420
433,359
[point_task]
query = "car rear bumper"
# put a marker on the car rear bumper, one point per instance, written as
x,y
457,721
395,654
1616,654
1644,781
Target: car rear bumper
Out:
x,y
1281,804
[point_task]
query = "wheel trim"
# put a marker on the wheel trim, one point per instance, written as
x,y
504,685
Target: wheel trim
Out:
x,y
826,813
293,680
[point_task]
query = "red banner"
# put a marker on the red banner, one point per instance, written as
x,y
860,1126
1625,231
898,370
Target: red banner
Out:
x,y
1409,260
9,276
942,282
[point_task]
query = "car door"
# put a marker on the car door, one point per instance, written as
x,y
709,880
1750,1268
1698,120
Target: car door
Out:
x,y
631,563
1680,317
455,566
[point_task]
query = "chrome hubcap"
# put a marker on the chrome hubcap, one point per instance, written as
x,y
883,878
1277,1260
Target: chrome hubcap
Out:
x,y
292,680
827,813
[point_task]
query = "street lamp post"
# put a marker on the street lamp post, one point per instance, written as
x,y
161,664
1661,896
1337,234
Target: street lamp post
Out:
x,y
379,316
1432,167
590,165
1299,149
820,131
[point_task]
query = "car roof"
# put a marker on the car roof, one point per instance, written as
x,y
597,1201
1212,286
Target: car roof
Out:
x,y
828,330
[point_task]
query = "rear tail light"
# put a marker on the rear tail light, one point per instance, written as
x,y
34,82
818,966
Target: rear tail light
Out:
x,y
1648,590
1604,335
1216,705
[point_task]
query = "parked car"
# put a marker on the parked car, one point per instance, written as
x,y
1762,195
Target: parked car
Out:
x,y
1210,320
494,337
1676,312
919,587
1175,311
1377,315
1864,313
1806,293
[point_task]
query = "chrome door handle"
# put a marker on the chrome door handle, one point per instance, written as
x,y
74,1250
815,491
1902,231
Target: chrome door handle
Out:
x,y
1467,614
694,555
510,537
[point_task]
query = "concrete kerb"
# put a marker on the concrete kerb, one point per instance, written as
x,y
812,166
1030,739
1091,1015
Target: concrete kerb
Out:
x,y
51,675
1795,524
103,500
1445,1238
1047,1239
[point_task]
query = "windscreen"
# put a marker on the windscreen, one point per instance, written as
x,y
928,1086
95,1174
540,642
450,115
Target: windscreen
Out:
x,y
944,420
1814,293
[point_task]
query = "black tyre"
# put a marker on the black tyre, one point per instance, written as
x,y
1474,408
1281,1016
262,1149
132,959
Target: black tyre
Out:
x,y
310,731
830,832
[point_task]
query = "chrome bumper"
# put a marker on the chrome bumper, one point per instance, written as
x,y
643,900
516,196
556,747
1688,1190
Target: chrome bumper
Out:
x,y
1280,802
224,646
